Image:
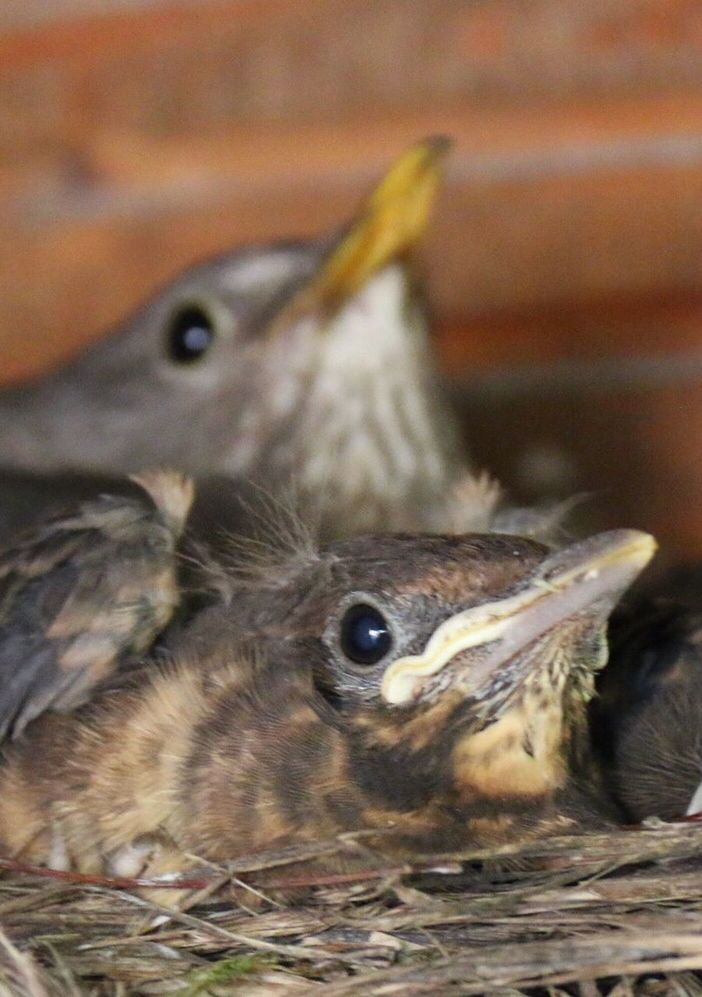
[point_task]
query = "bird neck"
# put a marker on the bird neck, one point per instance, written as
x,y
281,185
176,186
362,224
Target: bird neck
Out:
x,y
371,442
511,762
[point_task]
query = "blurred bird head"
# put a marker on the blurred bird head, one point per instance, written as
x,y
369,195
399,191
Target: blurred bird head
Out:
x,y
464,660
296,358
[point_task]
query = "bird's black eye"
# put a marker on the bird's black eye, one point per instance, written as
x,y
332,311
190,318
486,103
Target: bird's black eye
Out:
x,y
365,635
190,334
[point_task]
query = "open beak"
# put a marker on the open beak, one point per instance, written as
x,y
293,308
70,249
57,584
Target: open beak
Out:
x,y
584,578
389,223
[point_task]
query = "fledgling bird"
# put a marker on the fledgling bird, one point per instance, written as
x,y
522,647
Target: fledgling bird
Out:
x,y
430,689
97,584
85,593
647,718
299,361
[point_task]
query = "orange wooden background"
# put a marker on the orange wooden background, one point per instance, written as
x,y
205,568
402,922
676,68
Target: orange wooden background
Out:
x,y
565,261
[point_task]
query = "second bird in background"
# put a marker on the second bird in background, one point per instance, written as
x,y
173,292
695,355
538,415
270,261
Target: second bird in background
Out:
x,y
303,362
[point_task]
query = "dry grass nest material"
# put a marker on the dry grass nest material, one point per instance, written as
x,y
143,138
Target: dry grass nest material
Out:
x,y
617,913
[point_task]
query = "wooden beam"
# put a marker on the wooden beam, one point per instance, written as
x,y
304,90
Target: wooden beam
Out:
x,y
598,201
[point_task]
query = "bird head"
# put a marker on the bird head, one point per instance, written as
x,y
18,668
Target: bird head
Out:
x,y
292,357
464,661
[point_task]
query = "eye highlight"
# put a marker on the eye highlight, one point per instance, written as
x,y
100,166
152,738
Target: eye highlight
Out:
x,y
190,334
365,634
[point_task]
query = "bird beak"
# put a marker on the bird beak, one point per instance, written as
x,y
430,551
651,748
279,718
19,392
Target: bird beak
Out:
x,y
389,223
586,578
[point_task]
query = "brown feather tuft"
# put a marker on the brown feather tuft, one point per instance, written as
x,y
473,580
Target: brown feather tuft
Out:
x,y
171,491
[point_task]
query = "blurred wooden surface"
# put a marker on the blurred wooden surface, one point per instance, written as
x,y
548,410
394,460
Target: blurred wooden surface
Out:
x,y
565,260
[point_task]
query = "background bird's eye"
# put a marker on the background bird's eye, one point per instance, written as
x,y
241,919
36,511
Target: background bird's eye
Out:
x,y
190,335
365,635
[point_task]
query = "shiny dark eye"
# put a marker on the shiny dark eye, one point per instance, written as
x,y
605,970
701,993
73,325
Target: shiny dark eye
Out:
x,y
365,635
190,335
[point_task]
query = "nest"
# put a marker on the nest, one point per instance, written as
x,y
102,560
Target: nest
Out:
x,y
616,913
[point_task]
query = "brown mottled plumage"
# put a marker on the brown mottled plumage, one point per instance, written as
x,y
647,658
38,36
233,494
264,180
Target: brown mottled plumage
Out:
x,y
84,592
431,689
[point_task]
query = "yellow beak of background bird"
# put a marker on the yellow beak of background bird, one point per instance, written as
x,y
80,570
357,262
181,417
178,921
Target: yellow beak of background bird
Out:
x,y
389,223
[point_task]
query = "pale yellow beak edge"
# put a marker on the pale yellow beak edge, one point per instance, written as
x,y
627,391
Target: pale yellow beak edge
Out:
x,y
514,621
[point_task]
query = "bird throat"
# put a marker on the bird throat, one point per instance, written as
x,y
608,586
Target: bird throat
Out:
x,y
523,751
372,439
